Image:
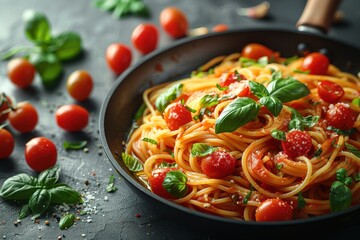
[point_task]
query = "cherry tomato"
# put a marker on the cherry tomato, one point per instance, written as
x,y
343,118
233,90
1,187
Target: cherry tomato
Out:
x,y
145,37
156,180
118,57
316,63
298,143
220,28
228,78
79,85
24,118
274,209
72,117
40,153
7,143
21,72
219,164
256,51
330,92
5,104
174,22
176,115
340,116
240,89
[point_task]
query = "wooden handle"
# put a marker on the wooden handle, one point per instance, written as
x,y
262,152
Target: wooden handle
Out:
x,y
318,14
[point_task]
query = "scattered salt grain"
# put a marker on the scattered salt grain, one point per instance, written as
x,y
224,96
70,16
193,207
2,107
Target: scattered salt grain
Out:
x,y
106,198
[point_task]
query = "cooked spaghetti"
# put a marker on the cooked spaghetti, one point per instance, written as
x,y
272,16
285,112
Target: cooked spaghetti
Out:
x,y
263,131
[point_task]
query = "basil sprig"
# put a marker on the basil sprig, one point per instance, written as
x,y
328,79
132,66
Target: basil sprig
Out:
x,y
167,96
299,122
74,145
132,163
243,110
39,193
175,183
340,193
67,221
354,150
48,51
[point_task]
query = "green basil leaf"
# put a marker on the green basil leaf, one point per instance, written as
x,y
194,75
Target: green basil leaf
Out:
x,y
239,112
301,203
175,183
67,221
258,89
341,174
24,211
40,201
296,123
149,140
263,61
279,135
62,193
19,187
132,163
347,132
139,8
209,100
356,101
49,176
276,75
169,95
356,176
310,121
247,62
48,66
106,5
167,164
273,104
248,195
222,88
111,184
340,196
354,150
317,153
302,72
74,145
68,45
37,26
202,150
287,90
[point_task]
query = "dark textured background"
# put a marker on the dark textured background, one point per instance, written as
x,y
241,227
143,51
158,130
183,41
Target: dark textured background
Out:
x,y
119,215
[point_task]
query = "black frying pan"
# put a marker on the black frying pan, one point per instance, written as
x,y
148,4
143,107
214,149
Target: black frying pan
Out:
x,y
177,61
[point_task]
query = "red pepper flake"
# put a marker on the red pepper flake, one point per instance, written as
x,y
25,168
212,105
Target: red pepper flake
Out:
x,y
159,67
138,215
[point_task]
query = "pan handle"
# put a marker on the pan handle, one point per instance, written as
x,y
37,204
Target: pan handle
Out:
x,y
317,16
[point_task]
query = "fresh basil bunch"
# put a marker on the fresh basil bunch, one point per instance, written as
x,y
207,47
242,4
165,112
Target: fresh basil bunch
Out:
x,y
39,193
49,50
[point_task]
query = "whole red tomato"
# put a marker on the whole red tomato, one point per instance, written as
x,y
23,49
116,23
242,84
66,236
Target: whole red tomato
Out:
x,y
40,153
274,209
72,117
316,63
118,57
256,51
21,72
174,22
24,118
79,85
7,143
145,38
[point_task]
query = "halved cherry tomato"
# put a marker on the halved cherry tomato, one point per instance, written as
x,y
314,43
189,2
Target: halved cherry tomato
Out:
x,y
219,164
298,143
72,117
316,63
40,153
176,115
330,92
220,28
256,51
240,89
24,118
145,37
230,77
340,116
5,103
174,22
274,209
79,85
21,72
7,143
118,57
156,180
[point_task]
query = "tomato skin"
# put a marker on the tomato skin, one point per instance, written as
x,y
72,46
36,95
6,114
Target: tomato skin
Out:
x,y
156,180
40,153
340,116
7,143
72,117
79,85
176,115
21,72
220,28
228,78
316,63
174,22
330,92
256,51
219,164
298,143
5,105
274,209
25,118
118,57
145,38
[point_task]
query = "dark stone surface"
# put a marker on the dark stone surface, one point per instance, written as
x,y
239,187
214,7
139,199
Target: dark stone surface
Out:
x,y
123,215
